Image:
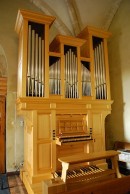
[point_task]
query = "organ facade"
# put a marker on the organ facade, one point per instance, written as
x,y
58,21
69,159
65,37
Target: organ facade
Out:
x,y
63,95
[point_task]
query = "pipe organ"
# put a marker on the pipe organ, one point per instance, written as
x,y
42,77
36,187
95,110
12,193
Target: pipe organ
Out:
x,y
63,95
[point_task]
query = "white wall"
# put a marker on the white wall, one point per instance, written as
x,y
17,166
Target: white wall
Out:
x,y
118,123
119,48
9,43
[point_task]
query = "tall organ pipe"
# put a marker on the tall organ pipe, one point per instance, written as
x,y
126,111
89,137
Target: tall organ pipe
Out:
x,y
43,68
70,74
32,62
39,69
29,61
103,70
100,80
86,87
96,73
35,63
54,74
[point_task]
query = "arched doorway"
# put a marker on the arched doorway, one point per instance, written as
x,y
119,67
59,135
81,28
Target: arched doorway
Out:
x,y
3,92
2,134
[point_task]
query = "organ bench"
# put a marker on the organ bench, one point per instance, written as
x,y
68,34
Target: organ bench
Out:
x,y
83,173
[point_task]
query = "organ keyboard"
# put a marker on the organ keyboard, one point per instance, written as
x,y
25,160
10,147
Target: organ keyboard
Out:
x,y
68,138
88,173
78,170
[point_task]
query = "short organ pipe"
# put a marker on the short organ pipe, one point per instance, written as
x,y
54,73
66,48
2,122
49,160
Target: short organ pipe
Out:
x,y
71,90
54,76
86,80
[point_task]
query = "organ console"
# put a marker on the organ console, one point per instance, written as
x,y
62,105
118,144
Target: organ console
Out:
x,y
63,95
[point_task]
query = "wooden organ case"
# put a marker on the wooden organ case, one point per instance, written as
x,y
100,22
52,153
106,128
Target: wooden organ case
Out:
x,y
63,95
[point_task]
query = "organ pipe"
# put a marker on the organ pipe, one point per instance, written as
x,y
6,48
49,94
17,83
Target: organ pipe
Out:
x,y
36,66
99,74
39,66
71,74
35,63
29,60
54,74
43,68
32,61
36,70
86,81
103,71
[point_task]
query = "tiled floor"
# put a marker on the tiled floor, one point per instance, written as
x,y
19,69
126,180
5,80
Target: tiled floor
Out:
x,y
11,184
16,186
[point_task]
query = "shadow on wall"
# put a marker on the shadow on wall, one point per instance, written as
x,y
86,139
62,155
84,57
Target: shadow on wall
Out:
x,y
3,63
114,121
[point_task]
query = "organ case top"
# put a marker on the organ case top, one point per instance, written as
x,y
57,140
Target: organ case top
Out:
x,y
71,67
33,59
63,95
96,46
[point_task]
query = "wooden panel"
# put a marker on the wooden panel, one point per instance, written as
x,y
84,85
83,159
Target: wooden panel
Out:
x,y
97,123
68,150
28,142
44,126
44,157
29,150
113,186
98,132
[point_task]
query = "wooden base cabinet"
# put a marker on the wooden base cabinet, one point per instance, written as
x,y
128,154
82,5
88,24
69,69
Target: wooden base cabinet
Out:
x,y
41,150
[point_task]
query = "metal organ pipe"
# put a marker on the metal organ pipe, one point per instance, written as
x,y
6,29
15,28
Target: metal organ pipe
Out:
x,y
32,61
86,79
103,71
54,74
71,74
43,68
99,74
39,66
58,76
29,61
35,64
96,73
36,70
100,78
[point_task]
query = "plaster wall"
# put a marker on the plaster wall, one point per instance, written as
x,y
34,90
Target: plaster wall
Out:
x,y
118,123
9,44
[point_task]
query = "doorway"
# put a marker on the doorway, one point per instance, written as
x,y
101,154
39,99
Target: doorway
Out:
x,y
2,134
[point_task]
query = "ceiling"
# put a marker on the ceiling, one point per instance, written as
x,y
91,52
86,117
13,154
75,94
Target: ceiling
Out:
x,y
74,15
